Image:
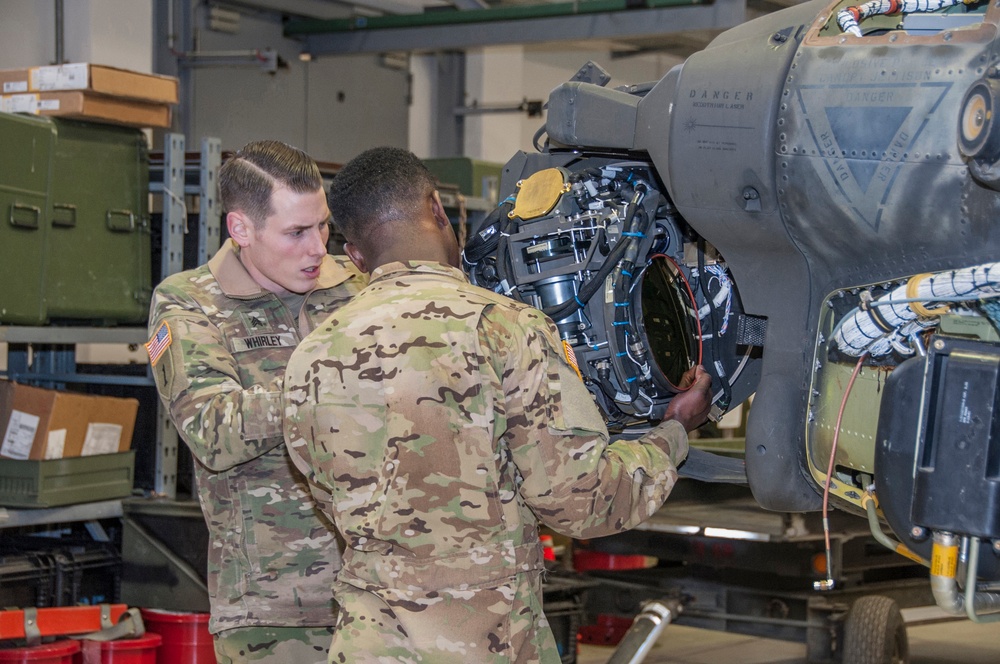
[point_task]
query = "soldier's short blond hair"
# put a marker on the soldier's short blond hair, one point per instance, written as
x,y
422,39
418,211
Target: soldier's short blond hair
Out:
x,y
250,176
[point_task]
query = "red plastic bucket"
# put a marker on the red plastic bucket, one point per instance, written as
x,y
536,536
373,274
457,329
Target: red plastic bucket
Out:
x,y
141,650
585,560
60,652
607,631
186,639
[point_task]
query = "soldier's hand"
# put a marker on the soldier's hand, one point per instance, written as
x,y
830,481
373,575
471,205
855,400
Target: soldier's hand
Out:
x,y
691,406
688,377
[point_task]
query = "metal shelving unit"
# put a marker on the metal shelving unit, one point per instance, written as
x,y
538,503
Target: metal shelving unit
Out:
x,y
105,509
46,356
182,174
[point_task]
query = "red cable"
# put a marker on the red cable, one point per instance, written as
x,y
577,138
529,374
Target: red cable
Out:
x,y
694,303
829,468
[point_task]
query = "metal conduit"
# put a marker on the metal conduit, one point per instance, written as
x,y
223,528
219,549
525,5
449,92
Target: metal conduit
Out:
x,y
944,584
523,12
60,40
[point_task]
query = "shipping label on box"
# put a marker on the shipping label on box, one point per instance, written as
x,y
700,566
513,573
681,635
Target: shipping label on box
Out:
x,y
14,81
14,87
102,438
21,430
23,103
55,446
31,102
60,77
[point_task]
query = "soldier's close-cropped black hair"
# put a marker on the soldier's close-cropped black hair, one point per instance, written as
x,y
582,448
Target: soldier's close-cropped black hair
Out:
x,y
379,186
249,177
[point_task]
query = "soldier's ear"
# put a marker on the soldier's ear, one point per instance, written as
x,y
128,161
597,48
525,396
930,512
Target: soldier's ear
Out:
x,y
240,228
437,208
356,256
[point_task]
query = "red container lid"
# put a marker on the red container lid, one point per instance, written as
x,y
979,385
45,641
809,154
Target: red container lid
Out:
x,y
585,560
144,642
60,652
608,630
173,616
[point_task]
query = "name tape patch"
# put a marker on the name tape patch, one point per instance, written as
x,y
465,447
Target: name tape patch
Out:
x,y
241,344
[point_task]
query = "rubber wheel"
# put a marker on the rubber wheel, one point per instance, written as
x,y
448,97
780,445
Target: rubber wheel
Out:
x,y
874,633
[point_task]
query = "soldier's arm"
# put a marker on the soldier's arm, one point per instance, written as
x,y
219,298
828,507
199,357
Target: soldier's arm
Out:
x,y
223,423
298,430
575,481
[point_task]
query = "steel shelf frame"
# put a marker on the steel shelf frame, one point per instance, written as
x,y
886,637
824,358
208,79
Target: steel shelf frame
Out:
x,y
46,356
16,518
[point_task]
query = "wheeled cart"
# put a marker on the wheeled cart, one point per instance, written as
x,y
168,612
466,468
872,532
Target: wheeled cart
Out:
x,y
735,567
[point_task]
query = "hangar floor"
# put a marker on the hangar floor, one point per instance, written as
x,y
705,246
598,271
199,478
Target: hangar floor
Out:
x,y
934,636
952,642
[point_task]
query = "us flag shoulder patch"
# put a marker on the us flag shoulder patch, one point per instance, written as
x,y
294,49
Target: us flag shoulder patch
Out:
x,y
159,343
571,357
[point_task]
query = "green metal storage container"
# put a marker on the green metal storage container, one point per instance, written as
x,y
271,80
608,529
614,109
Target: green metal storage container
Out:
x,y
55,482
479,179
99,254
26,147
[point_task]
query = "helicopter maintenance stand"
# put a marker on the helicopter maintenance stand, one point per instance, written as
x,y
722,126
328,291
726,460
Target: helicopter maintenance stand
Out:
x,y
739,568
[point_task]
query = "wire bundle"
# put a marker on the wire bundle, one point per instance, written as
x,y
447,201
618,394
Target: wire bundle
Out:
x,y
879,326
848,18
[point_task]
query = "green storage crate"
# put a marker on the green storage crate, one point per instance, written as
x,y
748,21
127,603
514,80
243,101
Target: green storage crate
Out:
x,y
479,179
57,482
99,254
26,148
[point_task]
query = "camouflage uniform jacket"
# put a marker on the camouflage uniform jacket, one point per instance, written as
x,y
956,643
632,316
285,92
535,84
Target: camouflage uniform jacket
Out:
x,y
446,423
271,558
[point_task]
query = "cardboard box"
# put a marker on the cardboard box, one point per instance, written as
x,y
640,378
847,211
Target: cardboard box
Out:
x,y
88,106
100,79
49,424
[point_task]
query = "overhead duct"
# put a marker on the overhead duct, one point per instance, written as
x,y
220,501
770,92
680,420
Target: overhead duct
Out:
x,y
522,24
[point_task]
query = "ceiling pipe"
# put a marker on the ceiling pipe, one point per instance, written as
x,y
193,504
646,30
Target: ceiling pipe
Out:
x,y
471,16
60,40
585,20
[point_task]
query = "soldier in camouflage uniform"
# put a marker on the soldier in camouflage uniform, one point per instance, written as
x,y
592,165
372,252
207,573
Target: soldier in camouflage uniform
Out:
x,y
447,425
222,335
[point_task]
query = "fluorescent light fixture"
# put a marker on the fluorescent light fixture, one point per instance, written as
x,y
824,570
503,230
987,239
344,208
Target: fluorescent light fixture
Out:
x,y
669,528
729,533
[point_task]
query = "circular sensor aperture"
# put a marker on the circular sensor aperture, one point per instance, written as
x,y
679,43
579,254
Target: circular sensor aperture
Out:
x,y
669,318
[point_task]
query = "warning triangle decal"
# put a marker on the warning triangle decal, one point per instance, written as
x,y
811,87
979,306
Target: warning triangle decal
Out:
x,y
862,134
879,127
